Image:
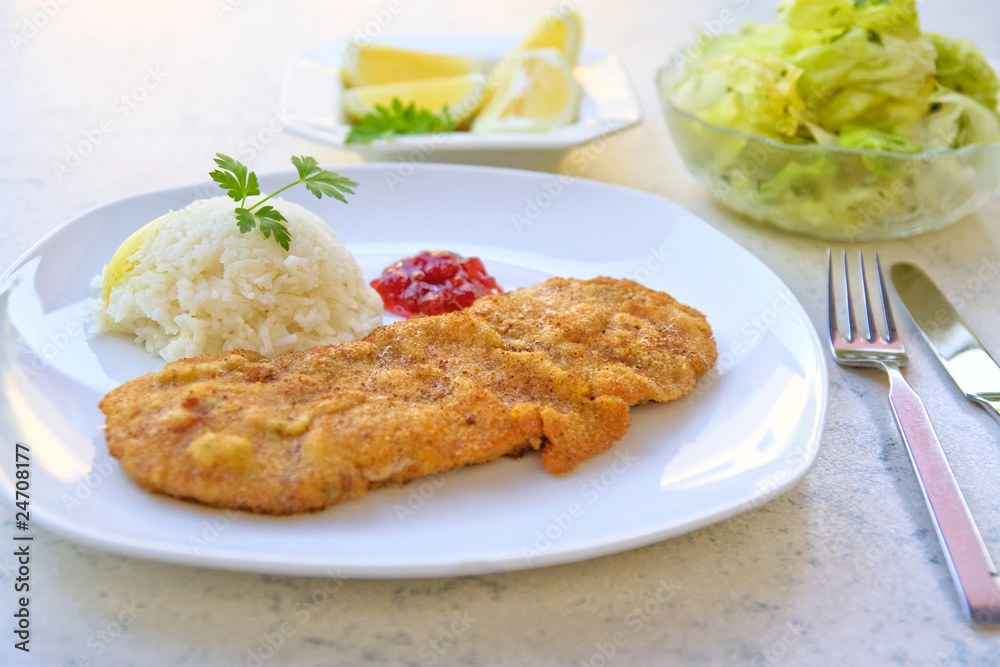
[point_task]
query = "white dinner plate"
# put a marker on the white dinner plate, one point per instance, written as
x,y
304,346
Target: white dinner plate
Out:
x,y
312,87
749,432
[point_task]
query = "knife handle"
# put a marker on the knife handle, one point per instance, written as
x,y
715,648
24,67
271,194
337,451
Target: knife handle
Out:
x,y
991,405
971,567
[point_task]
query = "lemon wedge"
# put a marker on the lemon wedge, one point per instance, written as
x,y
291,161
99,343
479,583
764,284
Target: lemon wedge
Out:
x,y
518,99
462,94
560,29
374,64
536,92
120,266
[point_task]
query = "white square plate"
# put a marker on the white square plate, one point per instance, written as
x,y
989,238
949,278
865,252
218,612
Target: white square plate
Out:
x,y
750,430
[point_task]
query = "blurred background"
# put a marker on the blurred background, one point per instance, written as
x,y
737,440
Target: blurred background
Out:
x,y
173,83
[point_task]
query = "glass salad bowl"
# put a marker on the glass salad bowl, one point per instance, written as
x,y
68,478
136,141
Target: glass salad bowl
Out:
x,y
830,192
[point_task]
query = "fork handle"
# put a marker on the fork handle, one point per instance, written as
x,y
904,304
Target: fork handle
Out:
x,y
969,561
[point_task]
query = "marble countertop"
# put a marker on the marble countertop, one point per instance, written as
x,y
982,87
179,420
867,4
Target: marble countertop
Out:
x,y
845,568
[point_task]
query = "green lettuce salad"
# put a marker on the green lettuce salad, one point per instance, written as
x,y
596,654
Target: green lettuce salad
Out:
x,y
857,74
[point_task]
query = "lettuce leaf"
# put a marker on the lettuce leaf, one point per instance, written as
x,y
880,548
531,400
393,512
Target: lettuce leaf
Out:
x,y
833,66
848,79
888,17
897,17
756,95
962,67
816,14
957,120
874,139
798,179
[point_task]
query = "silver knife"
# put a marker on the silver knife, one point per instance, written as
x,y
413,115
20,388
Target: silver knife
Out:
x,y
971,367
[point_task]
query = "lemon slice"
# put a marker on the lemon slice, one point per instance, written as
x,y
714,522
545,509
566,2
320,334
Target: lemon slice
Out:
x,y
120,266
535,93
374,64
463,96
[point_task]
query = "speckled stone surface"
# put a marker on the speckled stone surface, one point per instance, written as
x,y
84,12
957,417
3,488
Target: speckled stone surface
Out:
x,y
844,569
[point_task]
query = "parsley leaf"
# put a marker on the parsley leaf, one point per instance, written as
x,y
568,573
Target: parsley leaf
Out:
x,y
240,183
330,184
386,123
270,221
305,165
234,178
320,181
245,220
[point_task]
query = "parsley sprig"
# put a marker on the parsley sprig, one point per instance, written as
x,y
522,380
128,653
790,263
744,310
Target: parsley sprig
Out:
x,y
240,183
398,118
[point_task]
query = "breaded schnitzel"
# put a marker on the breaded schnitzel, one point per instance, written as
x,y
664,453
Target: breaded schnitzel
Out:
x,y
625,339
306,430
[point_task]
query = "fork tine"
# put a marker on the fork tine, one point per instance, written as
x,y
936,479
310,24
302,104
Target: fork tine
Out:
x,y
890,322
870,329
852,328
831,298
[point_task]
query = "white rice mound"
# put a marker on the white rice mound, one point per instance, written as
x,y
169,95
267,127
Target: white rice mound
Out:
x,y
200,286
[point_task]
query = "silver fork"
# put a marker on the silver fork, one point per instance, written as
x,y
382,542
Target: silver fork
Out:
x,y
968,560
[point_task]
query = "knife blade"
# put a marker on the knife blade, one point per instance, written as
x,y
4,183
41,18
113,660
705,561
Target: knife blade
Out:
x,y
959,350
